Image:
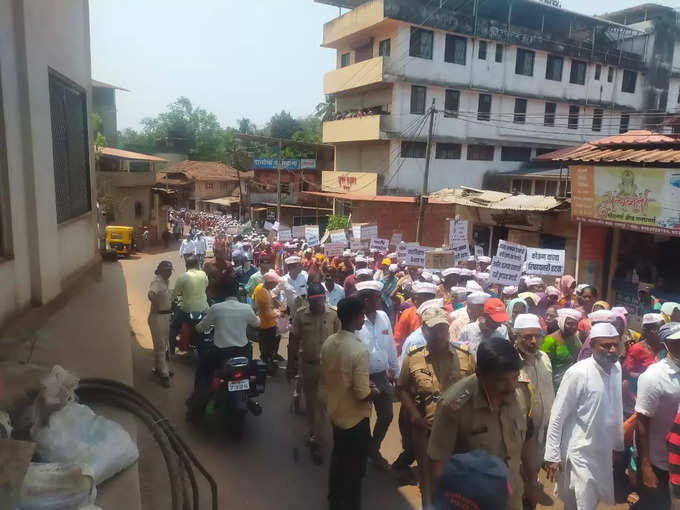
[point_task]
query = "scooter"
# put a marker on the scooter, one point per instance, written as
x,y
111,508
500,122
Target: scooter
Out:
x,y
234,387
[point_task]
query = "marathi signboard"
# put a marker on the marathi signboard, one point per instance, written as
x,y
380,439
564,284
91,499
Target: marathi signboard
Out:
x,y
361,183
396,239
545,262
209,246
333,249
299,231
506,266
338,236
285,234
364,231
415,256
461,248
286,164
458,231
312,235
641,199
438,259
382,245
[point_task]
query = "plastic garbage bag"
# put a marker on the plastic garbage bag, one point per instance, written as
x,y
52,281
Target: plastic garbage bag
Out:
x,y
57,486
76,434
57,389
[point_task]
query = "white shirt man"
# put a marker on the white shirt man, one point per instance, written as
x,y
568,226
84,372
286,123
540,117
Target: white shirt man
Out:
x,y
188,247
586,426
378,337
299,282
472,335
230,319
201,246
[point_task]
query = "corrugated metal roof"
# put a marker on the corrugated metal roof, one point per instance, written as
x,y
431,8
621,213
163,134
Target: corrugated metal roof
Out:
x,y
634,147
133,156
496,200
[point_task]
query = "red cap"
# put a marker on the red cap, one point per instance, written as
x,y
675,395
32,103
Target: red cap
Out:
x,y
495,309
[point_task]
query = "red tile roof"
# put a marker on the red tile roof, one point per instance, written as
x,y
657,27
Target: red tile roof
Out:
x,y
634,147
206,171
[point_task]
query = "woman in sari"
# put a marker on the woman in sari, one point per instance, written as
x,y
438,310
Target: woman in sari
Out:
x,y
563,345
566,286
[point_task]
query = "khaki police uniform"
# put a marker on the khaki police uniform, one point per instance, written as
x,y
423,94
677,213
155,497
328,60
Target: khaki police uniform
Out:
x,y
426,376
464,422
311,331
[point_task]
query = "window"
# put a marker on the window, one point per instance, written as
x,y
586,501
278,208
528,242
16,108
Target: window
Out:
x,y
451,102
549,117
421,43
553,70
527,184
623,125
455,49
413,149
628,82
539,187
499,52
520,111
418,99
610,74
345,60
578,72
209,185
482,50
551,188
70,149
484,107
515,153
139,209
480,152
385,48
285,188
572,122
597,119
598,71
448,151
525,62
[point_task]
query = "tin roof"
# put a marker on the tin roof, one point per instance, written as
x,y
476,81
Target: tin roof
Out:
x,y
132,156
634,147
498,200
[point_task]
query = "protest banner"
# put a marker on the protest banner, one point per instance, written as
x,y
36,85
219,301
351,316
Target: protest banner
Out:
x,y
401,251
461,248
356,245
312,235
285,234
209,245
545,262
231,230
415,256
440,259
333,249
458,231
382,245
338,236
268,226
396,239
479,251
507,266
368,232
299,231
356,231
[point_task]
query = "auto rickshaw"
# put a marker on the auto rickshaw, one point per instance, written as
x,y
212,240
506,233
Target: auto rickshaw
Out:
x,y
120,240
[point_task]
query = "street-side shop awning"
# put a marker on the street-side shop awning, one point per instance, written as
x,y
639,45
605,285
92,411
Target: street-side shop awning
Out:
x,y
224,201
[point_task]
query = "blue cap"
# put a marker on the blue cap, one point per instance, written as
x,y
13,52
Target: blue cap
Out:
x,y
473,480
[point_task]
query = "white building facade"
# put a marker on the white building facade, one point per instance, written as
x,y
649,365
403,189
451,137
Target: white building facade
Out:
x,y
509,81
47,208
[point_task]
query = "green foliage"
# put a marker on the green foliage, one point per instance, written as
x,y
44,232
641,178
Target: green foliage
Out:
x,y
283,125
338,222
99,138
326,111
246,126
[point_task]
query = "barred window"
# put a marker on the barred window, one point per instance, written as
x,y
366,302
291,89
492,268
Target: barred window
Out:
x,y
448,151
480,152
413,149
70,148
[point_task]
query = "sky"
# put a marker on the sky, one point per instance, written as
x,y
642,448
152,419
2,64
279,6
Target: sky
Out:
x,y
235,58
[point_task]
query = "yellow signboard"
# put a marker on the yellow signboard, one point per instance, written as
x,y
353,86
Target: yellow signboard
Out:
x,y
360,183
642,199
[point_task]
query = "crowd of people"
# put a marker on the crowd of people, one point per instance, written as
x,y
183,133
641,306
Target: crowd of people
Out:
x,y
500,381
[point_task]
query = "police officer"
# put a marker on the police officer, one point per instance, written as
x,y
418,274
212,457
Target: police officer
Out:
x,y
312,324
427,372
490,410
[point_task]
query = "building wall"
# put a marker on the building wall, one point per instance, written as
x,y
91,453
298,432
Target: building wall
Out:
x,y
35,37
212,189
363,157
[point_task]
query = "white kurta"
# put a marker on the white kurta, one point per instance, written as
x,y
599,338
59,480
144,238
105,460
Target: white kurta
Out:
x,y
586,425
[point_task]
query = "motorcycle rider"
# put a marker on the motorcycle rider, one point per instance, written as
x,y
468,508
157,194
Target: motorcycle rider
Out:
x,y
312,324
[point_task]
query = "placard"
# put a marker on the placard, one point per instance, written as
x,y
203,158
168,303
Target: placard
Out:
x,y
479,250
312,235
369,231
458,231
356,231
507,266
545,262
396,239
438,259
298,231
401,251
285,234
415,256
231,230
268,226
338,236
333,249
276,226
382,245
356,245
461,248
209,245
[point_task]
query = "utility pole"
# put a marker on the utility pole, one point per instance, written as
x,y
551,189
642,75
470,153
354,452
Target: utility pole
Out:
x,y
278,185
426,178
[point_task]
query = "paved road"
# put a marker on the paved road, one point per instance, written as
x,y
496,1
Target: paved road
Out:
x,y
258,472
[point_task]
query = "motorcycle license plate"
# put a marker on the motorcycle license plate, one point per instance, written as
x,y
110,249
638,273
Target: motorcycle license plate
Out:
x,y
238,385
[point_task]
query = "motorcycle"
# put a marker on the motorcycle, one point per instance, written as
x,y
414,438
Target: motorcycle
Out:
x,y
235,385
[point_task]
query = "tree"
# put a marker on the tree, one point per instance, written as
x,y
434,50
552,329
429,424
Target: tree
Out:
x,y
326,110
246,126
99,138
283,125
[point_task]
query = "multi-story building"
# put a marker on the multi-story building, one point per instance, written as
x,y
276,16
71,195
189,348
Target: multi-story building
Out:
x,y
509,80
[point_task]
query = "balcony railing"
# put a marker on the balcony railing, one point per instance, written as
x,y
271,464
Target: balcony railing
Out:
x,y
355,129
361,74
